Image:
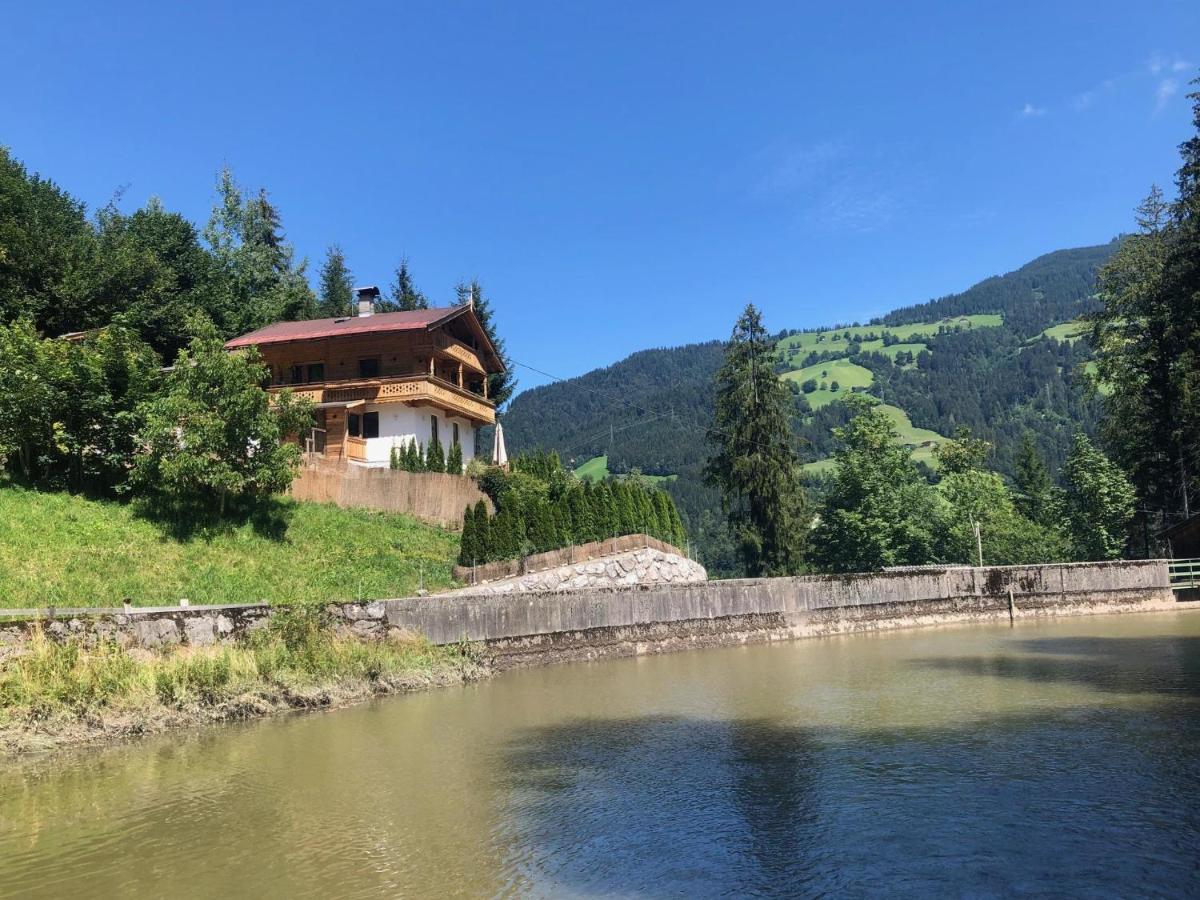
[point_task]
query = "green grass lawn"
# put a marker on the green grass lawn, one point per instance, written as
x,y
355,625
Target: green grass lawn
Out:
x,y
596,469
61,550
848,375
833,340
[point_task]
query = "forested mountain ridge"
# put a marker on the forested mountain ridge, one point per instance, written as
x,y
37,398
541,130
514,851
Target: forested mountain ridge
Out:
x,y
978,358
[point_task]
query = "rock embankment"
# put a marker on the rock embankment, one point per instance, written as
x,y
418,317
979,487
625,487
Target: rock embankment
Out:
x,y
645,566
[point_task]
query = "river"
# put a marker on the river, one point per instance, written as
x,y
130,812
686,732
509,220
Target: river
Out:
x,y
1053,757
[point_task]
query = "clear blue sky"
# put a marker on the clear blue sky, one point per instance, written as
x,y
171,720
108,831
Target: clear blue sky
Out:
x,y
624,175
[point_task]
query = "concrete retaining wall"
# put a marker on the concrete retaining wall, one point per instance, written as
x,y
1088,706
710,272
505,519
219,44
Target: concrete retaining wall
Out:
x,y
522,628
432,497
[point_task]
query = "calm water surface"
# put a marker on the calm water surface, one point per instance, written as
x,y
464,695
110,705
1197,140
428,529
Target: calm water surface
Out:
x,y
1050,758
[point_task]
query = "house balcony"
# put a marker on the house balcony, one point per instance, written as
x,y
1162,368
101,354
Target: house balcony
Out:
x,y
415,390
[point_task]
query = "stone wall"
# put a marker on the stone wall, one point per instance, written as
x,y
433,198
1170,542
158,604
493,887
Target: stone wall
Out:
x,y
519,628
645,566
434,498
563,556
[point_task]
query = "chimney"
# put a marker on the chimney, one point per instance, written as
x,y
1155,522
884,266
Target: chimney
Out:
x,y
366,297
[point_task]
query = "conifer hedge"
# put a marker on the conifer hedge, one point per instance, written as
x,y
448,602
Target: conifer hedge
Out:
x,y
541,507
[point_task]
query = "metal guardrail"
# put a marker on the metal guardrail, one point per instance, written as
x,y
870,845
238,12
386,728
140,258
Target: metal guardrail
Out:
x,y
1183,573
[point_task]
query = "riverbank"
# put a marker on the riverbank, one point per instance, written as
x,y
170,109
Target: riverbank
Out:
x,y
61,693
192,665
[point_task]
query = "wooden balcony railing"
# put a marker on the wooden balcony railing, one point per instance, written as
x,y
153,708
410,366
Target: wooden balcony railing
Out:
x,y
459,352
415,389
356,448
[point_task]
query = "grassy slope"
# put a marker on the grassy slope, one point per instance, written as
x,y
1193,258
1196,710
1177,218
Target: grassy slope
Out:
x,y
824,340
848,375
1067,332
909,435
60,550
596,469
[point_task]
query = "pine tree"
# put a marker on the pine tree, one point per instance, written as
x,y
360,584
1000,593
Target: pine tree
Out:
x,y
404,294
393,458
753,462
454,459
337,285
1035,490
500,384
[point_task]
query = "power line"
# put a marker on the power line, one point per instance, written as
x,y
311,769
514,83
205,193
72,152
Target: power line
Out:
x,y
658,413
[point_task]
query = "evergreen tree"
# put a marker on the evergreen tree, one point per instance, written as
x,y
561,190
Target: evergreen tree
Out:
x,y
337,285
435,459
415,459
1035,490
468,552
483,533
1147,343
753,462
1100,502
663,529
581,516
245,234
404,294
393,458
454,459
500,384
540,527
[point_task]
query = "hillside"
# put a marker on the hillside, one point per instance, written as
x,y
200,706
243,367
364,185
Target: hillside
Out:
x,y
62,550
1002,357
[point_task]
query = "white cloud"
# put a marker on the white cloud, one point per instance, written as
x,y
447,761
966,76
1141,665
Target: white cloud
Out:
x,y
830,185
1167,88
1029,110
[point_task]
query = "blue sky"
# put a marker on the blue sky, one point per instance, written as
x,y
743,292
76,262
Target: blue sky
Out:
x,y
624,175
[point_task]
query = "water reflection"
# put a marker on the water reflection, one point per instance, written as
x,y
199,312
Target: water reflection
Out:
x,y
1051,758
1157,664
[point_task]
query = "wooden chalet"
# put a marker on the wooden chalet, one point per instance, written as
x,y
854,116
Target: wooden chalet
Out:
x,y
382,380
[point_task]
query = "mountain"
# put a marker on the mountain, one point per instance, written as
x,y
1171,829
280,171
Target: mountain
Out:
x,y
1002,357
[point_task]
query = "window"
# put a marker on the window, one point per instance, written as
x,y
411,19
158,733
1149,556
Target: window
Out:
x,y
370,425
354,425
308,373
433,428
368,368
455,427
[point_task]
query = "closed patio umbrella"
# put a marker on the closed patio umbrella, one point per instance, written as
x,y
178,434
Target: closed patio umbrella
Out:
x,y
499,453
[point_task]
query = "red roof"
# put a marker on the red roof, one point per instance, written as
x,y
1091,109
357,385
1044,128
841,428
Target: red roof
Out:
x,y
282,332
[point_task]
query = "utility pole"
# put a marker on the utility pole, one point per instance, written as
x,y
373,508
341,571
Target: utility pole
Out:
x,y
978,542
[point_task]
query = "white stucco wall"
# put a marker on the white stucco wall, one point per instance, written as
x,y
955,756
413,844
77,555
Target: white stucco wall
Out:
x,y
400,423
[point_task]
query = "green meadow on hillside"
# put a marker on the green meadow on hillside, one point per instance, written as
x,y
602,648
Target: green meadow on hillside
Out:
x,y
849,376
1067,332
62,550
921,440
835,339
596,469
